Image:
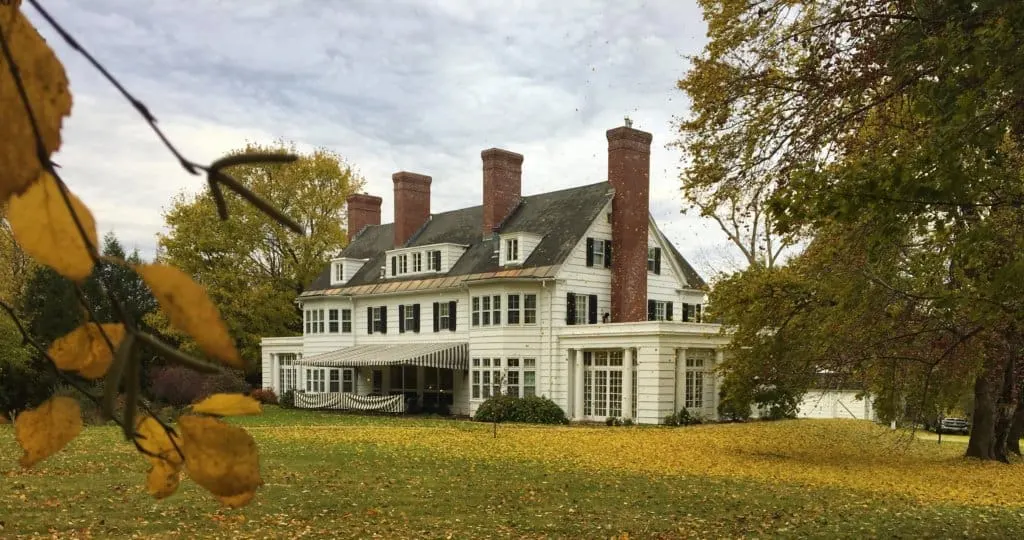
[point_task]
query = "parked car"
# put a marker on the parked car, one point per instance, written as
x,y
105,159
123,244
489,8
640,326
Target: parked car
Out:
x,y
953,425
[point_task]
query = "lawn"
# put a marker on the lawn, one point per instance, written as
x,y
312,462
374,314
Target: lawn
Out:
x,y
334,475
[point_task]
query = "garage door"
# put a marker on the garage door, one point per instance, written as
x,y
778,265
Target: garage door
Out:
x,y
834,404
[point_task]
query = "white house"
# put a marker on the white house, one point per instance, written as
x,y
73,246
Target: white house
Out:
x,y
574,294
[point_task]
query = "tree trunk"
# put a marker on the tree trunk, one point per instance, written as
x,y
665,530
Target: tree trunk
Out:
x,y
1016,430
982,441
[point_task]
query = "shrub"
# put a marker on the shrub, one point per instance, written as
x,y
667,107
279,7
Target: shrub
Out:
x,y
226,382
627,421
686,419
671,420
23,384
499,408
530,410
614,421
177,386
287,400
264,395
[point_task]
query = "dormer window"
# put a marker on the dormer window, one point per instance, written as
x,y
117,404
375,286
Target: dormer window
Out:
x,y
343,268
339,272
512,250
417,262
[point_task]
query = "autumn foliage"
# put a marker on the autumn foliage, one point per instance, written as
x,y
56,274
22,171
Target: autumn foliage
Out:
x,y
56,229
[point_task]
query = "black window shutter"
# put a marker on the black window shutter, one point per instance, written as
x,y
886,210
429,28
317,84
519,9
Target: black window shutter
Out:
x,y
437,316
607,253
657,260
451,315
369,320
590,252
697,310
668,311
437,260
416,318
394,265
650,310
570,308
592,309
383,319
686,312
401,318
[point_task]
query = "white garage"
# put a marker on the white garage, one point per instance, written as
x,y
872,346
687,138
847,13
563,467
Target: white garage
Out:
x,y
835,404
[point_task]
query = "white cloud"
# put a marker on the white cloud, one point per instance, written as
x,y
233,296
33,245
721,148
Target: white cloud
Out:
x,y
389,85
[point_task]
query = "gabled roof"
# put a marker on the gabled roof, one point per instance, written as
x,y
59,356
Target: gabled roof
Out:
x,y
561,217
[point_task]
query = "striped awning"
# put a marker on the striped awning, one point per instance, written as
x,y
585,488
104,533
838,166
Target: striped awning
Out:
x,y
444,355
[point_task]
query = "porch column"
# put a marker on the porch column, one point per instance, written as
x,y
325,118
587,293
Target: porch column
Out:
x,y
719,358
627,382
577,381
680,378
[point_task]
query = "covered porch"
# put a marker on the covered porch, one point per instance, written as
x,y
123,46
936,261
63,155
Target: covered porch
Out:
x,y
641,371
427,377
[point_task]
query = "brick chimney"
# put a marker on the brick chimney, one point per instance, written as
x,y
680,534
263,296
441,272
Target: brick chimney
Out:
x,y
412,204
503,186
629,171
363,210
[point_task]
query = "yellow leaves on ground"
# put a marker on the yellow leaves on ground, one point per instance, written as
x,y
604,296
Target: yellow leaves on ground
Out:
x,y
43,431
228,405
221,458
46,85
84,350
190,310
45,229
852,455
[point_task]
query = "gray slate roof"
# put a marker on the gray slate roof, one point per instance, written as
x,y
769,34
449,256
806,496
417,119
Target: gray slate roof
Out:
x,y
562,217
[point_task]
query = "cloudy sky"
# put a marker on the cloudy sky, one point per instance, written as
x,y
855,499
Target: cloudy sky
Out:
x,y
391,85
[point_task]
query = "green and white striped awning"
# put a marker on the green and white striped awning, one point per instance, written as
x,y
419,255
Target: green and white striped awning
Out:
x,y
444,355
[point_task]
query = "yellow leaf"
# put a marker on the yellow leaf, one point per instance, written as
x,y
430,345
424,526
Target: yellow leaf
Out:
x,y
46,84
157,441
221,458
45,229
228,405
84,350
190,310
43,431
162,480
237,501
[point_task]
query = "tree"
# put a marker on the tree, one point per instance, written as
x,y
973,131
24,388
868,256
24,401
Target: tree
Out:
x,y
905,116
251,266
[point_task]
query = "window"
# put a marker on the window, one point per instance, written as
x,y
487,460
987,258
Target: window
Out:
x,y
348,380
496,310
529,309
434,260
694,383
580,315
409,318
346,321
339,272
403,264
332,321
486,378
309,321
378,319
654,260
691,313
602,383
320,321
394,265
512,249
314,321
315,380
476,311
521,379
485,314
286,372
513,309
658,310
417,262
334,384
599,253
443,318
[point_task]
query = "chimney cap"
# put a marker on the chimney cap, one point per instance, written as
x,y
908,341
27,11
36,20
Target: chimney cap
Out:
x,y
364,198
495,154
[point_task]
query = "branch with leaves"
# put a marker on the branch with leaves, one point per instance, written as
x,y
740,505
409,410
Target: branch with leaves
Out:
x,y
56,229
